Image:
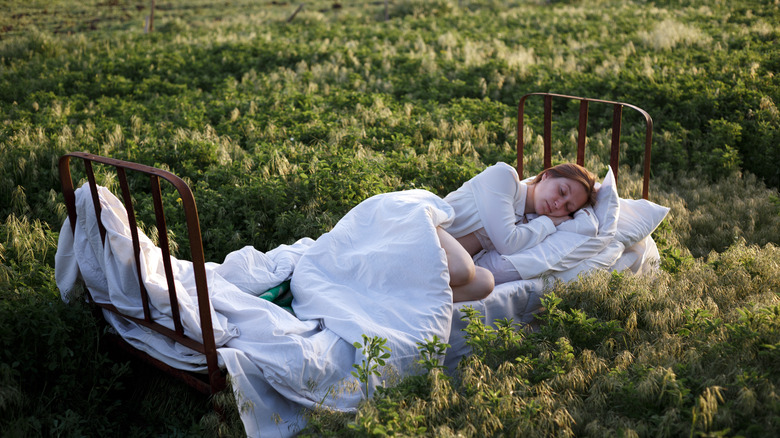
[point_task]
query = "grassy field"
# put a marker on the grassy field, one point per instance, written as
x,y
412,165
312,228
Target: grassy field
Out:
x,y
283,121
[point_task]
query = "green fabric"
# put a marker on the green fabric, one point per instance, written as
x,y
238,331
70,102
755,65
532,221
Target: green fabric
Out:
x,y
280,295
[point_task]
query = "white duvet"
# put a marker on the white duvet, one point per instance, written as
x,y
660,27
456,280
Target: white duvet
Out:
x,y
380,271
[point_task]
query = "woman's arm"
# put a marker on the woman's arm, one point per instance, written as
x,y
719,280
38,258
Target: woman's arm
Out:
x,y
496,191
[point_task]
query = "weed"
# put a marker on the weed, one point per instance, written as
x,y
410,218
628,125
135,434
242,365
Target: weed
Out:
x,y
375,353
432,353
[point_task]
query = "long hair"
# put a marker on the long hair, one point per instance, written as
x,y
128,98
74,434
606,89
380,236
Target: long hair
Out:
x,y
573,172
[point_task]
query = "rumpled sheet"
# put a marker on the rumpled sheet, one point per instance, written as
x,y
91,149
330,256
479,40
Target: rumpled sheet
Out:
x,y
380,271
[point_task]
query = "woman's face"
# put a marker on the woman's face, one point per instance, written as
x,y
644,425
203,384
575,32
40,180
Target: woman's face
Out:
x,y
558,196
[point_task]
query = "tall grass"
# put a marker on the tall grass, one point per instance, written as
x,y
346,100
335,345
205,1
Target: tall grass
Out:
x,y
671,355
280,128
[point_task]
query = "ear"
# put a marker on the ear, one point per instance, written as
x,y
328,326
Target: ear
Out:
x,y
545,175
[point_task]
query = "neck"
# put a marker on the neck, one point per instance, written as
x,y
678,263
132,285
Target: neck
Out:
x,y
529,199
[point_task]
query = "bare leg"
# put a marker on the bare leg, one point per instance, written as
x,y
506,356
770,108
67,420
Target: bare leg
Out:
x,y
468,281
470,243
479,288
459,262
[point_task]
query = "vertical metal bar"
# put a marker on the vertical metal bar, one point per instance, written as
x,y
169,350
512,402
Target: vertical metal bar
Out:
x,y
67,190
162,233
201,284
95,200
648,143
617,116
520,136
547,131
582,132
150,28
128,201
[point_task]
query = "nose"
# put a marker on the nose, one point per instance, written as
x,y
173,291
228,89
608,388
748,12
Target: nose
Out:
x,y
559,202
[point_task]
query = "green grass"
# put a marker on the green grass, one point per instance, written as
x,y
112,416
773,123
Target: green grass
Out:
x,y
282,127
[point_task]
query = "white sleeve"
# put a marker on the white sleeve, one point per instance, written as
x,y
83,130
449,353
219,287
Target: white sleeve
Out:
x,y
495,190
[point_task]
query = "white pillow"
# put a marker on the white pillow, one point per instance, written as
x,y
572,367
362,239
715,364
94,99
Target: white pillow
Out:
x,y
607,206
638,219
584,222
552,252
626,260
603,260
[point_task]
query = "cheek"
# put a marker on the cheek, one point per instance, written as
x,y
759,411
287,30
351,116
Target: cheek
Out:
x,y
580,201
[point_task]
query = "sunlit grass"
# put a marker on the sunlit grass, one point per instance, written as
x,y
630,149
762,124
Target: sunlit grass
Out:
x,y
668,34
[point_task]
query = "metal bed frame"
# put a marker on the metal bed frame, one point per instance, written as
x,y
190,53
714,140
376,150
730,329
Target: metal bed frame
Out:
x,y
214,380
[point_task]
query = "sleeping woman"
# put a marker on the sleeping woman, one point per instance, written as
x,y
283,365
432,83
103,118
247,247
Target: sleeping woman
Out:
x,y
490,213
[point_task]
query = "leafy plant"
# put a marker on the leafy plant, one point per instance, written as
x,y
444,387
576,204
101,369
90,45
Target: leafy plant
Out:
x,y
432,353
375,352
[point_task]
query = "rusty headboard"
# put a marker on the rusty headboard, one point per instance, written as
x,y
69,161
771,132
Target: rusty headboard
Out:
x,y
617,117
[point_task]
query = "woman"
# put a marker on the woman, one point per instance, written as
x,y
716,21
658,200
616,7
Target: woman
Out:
x,y
490,213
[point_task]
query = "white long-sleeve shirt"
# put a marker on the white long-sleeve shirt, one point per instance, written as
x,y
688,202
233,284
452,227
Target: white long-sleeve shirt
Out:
x,y
493,204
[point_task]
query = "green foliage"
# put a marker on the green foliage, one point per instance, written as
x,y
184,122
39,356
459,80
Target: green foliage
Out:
x,y
712,217
432,353
375,352
673,259
575,325
49,354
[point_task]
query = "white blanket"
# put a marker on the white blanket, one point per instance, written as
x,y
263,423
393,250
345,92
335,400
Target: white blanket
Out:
x,y
380,271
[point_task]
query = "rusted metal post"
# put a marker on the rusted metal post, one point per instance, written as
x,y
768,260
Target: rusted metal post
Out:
x,y
295,13
150,19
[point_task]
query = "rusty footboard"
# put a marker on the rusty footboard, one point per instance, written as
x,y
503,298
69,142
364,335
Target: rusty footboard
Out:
x,y
214,380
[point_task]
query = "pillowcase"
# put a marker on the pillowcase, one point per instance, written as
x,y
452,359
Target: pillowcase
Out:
x,y
638,219
603,260
584,222
607,206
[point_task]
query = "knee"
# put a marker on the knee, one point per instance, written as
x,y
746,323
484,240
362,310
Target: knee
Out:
x,y
480,287
485,282
462,273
